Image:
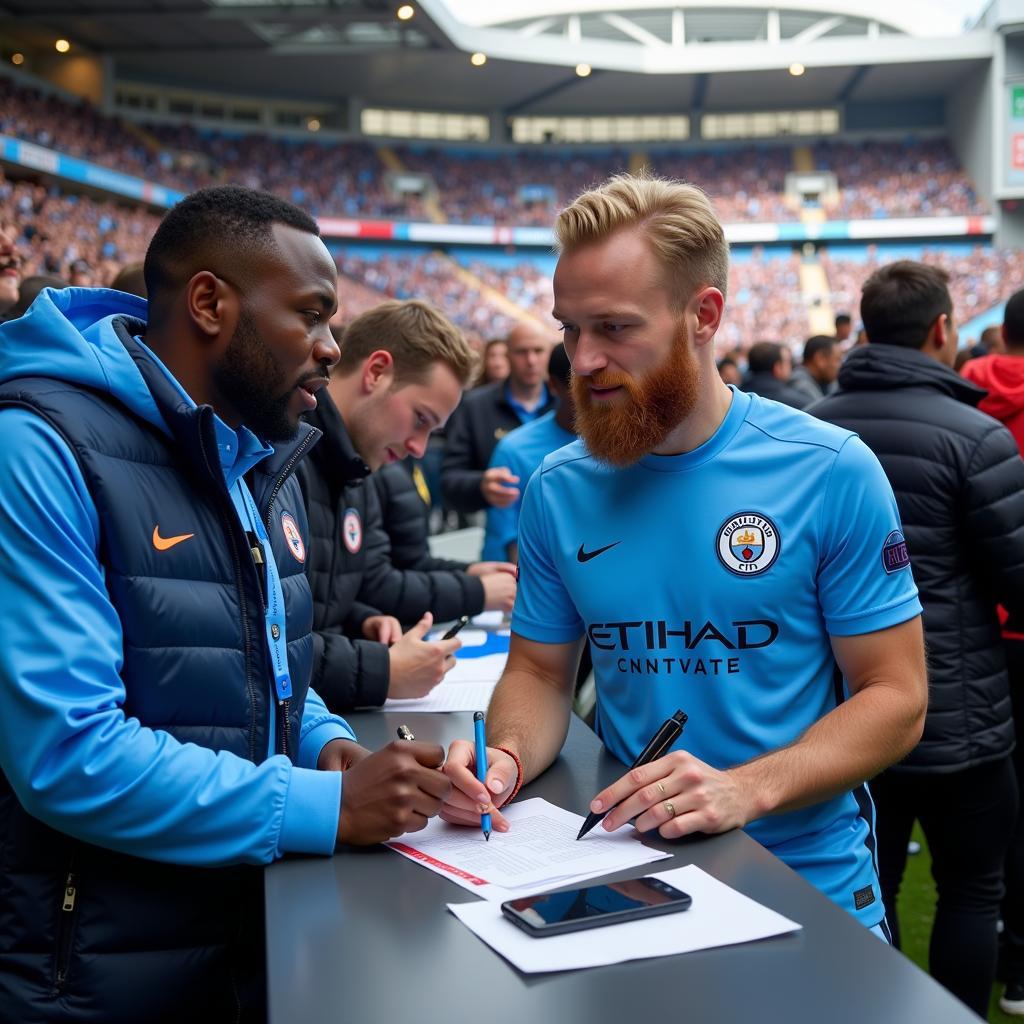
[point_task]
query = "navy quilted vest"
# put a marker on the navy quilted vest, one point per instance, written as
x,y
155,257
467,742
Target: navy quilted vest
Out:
x,y
147,941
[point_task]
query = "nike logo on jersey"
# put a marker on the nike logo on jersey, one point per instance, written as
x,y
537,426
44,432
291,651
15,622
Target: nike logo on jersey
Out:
x,y
586,556
164,543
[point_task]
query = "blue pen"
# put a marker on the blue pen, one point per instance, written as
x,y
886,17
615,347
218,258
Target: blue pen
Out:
x,y
481,766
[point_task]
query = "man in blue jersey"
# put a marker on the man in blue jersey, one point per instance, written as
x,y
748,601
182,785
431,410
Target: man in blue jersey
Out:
x,y
523,450
722,553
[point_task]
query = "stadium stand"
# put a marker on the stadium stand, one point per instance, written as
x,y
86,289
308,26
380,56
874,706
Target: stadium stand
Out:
x,y
891,178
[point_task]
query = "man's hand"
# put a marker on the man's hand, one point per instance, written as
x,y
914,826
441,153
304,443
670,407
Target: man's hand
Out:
x,y
417,665
498,486
391,792
469,798
486,568
340,755
677,795
385,629
499,591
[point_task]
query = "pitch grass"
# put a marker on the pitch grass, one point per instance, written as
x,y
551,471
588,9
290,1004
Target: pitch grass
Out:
x,y
916,905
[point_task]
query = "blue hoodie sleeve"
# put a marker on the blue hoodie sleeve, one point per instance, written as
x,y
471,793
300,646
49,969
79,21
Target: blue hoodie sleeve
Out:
x,y
72,756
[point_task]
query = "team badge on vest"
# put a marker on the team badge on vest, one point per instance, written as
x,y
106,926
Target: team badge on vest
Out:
x,y
352,530
747,543
293,537
894,553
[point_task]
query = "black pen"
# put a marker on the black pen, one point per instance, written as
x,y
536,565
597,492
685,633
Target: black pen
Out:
x,y
459,623
669,732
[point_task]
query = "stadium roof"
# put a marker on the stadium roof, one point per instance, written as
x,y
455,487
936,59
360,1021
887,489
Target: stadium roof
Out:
x,y
648,57
723,19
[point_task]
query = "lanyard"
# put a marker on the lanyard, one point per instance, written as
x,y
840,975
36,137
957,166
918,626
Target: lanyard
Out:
x,y
274,616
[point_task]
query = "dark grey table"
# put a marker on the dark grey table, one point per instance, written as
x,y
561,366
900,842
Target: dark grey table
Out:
x,y
365,937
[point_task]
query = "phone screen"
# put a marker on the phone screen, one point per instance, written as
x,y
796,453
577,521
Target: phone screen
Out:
x,y
596,905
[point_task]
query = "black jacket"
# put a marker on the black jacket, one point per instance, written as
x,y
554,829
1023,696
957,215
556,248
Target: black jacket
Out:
x,y
351,574
482,419
959,484
405,515
767,385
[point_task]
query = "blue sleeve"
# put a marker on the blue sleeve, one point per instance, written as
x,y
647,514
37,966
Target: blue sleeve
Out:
x,y
543,611
319,727
864,578
72,756
502,524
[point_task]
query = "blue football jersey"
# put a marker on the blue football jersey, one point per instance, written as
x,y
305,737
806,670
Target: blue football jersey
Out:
x,y
522,450
711,581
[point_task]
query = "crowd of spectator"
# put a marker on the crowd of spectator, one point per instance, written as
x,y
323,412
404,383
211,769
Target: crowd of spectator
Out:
x,y
433,277
765,303
892,178
977,278
919,178
59,233
73,236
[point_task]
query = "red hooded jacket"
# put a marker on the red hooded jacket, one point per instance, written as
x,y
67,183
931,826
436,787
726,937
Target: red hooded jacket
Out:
x,y
1003,377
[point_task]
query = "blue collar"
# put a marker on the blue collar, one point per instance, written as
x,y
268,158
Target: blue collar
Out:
x,y
239,450
527,415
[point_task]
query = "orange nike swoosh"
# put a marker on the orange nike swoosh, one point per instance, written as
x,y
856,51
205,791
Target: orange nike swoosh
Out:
x,y
163,543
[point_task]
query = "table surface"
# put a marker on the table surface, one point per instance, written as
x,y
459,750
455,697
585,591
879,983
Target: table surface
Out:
x,y
365,936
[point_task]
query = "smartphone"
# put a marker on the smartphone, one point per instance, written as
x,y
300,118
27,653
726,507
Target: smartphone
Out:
x,y
555,913
459,623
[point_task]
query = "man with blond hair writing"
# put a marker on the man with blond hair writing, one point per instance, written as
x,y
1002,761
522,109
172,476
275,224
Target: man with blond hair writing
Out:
x,y
722,553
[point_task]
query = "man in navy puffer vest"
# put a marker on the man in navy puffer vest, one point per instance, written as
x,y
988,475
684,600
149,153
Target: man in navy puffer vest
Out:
x,y
159,739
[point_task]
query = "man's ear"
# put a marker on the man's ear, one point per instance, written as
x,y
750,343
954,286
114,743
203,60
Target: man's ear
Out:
x,y
938,333
707,305
213,306
378,371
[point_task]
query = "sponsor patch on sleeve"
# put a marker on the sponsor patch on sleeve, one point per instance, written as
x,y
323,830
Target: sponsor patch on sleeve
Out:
x,y
894,553
864,897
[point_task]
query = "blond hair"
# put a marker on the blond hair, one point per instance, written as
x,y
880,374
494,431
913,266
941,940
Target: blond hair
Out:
x,y
677,219
415,333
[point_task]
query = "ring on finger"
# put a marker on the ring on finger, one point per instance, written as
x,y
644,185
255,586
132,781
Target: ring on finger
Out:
x,y
661,789
670,808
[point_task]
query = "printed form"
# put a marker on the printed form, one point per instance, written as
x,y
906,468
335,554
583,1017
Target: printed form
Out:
x,y
539,851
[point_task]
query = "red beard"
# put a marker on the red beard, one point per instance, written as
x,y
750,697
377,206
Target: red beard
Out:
x,y
621,431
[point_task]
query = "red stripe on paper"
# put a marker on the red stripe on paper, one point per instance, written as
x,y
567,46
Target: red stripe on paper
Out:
x,y
424,858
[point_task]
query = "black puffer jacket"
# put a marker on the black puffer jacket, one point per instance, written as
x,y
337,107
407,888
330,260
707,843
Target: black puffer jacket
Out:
x,y
351,574
405,514
959,484
482,419
767,385
346,673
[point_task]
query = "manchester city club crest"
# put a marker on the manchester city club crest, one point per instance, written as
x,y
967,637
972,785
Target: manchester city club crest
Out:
x,y
293,537
747,543
352,530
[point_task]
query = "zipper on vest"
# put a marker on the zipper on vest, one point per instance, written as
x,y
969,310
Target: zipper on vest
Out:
x,y
285,720
66,928
284,474
256,549
285,729
231,533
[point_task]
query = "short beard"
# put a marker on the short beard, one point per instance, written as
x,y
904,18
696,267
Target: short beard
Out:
x,y
251,379
622,431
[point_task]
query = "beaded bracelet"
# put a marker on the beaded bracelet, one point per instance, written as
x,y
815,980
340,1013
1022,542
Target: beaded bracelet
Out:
x,y
519,773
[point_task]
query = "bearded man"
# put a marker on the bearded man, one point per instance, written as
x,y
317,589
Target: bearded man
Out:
x,y
723,554
160,739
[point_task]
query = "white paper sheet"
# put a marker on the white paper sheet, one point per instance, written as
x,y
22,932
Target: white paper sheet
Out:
x,y
470,682
540,851
719,916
